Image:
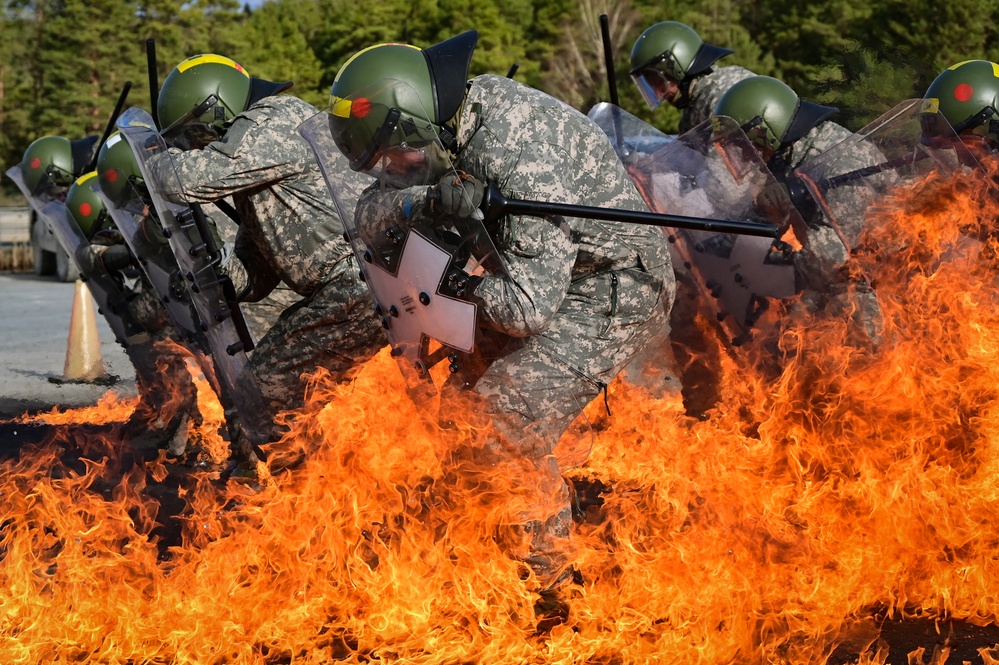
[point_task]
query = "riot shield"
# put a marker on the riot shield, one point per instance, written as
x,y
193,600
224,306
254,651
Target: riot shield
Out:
x,y
111,298
135,218
893,150
715,171
632,138
197,255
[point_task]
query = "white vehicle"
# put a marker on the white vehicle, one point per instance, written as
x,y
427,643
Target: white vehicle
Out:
x,y
47,254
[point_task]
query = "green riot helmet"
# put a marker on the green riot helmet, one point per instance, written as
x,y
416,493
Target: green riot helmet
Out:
x,y
86,206
392,108
967,96
666,58
770,112
203,94
119,175
50,163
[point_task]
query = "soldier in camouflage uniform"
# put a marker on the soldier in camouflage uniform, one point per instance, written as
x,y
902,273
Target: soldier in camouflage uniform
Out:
x,y
788,132
578,299
670,62
167,395
237,137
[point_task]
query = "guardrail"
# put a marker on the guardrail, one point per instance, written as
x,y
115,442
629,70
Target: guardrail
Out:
x,y
15,225
15,240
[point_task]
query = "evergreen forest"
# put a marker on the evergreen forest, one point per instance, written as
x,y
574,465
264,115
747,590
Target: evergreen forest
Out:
x,y
63,63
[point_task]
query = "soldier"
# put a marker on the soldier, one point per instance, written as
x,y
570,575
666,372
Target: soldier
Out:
x,y
236,137
967,95
788,131
670,62
578,298
52,163
167,396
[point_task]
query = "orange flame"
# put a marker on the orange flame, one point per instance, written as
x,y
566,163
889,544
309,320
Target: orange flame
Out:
x,y
858,482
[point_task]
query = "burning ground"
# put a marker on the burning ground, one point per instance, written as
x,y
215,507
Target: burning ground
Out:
x,y
818,511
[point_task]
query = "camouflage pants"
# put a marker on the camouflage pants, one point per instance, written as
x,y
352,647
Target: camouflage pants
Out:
x,y
334,328
537,389
261,316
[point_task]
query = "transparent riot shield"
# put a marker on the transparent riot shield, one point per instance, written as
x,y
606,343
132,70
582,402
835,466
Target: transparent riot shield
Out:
x,y
135,218
631,137
423,271
36,202
111,298
901,147
715,171
197,255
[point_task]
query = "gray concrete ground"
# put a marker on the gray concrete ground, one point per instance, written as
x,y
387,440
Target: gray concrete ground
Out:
x,y
34,327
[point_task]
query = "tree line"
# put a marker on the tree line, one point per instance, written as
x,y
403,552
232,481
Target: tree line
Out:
x,y
63,63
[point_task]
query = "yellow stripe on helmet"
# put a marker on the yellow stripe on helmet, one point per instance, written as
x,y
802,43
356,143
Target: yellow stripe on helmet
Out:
x,y
210,58
995,67
363,51
85,177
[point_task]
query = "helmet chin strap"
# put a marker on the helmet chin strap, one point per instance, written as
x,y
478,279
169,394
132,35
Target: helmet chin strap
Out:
x,y
683,101
778,164
449,130
448,138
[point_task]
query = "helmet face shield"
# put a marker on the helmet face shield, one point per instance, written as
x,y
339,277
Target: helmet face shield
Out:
x,y
406,165
53,183
385,132
192,131
655,83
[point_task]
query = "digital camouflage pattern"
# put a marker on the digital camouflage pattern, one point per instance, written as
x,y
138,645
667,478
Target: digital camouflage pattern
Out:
x,y
823,267
290,231
585,295
579,298
824,136
260,316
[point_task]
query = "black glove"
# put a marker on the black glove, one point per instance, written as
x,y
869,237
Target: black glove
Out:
x,y
116,257
458,195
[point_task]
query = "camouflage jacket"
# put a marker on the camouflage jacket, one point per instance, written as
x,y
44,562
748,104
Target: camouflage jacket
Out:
x,y
533,146
820,139
706,90
290,229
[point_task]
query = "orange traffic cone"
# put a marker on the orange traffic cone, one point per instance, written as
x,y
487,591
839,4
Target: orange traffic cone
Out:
x,y
83,350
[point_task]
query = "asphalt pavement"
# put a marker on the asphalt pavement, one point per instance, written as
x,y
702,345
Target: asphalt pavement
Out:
x,y
34,328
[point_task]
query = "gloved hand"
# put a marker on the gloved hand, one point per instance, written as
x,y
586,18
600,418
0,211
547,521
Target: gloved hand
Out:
x,y
772,198
116,257
458,195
